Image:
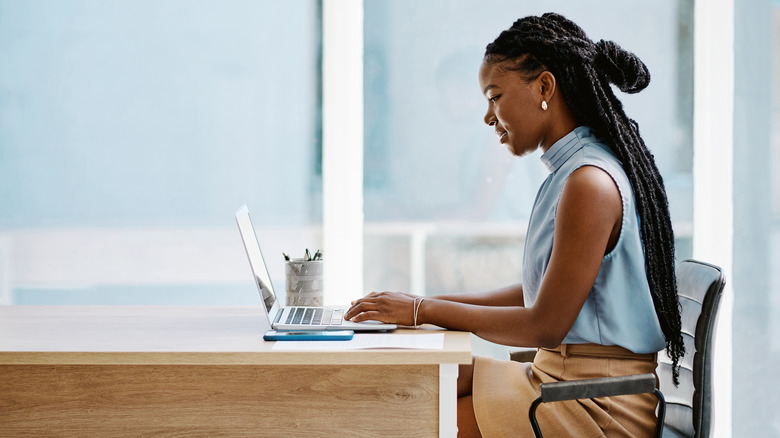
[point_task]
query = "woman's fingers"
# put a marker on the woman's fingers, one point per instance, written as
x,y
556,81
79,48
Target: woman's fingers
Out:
x,y
382,306
361,306
358,307
369,316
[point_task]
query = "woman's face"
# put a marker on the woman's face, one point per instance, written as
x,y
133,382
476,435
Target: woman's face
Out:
x,y
514,108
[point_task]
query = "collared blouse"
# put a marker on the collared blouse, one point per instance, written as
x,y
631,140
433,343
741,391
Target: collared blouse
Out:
x,y
619,308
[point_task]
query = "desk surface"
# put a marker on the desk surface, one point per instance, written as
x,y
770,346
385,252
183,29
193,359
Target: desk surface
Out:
x,y
162,335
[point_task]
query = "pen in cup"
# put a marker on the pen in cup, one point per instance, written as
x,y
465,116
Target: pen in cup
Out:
x,y
307,256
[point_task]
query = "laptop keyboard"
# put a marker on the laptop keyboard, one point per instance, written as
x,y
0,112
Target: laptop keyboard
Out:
x,y
314,316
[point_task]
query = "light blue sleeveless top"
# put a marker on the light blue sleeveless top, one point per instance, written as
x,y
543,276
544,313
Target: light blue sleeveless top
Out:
x,y
619,308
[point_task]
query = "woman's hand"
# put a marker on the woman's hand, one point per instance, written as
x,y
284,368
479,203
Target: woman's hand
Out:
x,y
392,307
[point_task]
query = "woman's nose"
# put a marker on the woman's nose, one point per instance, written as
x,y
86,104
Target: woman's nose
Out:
x,y
490,119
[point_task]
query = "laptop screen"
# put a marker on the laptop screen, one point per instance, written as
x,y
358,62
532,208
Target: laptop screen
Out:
x,y
255,256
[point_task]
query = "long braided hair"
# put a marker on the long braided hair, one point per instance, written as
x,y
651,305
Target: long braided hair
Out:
x,y
584,70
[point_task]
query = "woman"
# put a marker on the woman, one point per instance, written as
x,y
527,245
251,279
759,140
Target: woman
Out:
x,y
599,291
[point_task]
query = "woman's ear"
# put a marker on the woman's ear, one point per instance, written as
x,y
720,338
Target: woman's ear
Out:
x,y
546,85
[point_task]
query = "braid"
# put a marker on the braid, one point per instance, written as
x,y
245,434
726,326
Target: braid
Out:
x,y
584,71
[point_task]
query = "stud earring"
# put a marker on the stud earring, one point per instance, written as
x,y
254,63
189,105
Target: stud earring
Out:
x,y
544,105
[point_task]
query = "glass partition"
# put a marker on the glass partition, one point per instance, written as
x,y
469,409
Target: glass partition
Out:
x,y
756,278
131,131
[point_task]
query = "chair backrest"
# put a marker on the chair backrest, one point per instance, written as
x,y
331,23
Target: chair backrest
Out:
x,y
688,408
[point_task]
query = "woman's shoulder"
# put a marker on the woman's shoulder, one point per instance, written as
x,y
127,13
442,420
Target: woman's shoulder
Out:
x,y
596,167
594,152
594,162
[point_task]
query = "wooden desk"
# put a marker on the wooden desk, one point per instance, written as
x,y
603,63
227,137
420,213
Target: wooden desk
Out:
x,y
205,371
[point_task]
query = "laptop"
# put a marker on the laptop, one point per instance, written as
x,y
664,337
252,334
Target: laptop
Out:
x,y
292,318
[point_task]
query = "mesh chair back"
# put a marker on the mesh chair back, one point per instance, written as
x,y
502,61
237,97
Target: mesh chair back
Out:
x,y
700,286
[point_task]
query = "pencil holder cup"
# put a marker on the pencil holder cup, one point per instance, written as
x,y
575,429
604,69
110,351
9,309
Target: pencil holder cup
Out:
x,y
304,282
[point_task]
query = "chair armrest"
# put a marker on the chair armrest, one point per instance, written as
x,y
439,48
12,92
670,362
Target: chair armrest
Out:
x,y
592,388
524,355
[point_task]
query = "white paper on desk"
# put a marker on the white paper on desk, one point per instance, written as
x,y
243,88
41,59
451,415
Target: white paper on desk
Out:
x,y
369,341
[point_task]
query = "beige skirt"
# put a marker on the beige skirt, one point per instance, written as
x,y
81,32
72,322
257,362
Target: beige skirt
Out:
x,y
503,392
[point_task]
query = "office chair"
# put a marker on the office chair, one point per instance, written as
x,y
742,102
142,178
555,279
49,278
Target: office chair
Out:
x,y
684,411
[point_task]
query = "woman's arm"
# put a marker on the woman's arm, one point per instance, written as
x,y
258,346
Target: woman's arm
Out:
x,y
505,296
587,226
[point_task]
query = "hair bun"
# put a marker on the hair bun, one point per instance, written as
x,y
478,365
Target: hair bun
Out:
x,y
622,68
